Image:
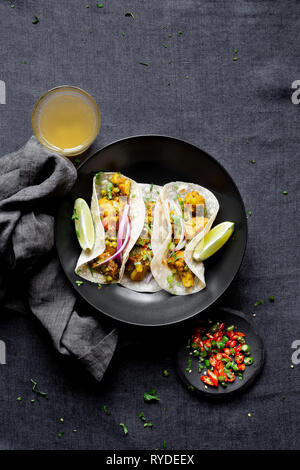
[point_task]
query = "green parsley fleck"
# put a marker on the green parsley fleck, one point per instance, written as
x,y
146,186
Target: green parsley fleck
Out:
x,y
99,286
100,5
129,13
253,162
247,141
60,434
144,63
285,193
191,388
235,51
79,283
249,213
123,34
87,6
165,373
148,425
106,411
259,302
19,399
142,416
179,33
77,160
35,20
164,445
25,62
235,58
271,298
169,35
123,426
164,44
32,401
151,396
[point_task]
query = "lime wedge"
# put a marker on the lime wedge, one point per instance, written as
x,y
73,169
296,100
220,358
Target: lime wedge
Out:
x,y
84,225
213,241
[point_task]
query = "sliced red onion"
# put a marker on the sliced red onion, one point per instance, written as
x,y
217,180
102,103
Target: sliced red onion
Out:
x,y
122,248
181,240
148,278
122,230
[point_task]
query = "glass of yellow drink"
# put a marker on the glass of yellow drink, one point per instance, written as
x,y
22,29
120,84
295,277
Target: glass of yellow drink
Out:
x,y
66,120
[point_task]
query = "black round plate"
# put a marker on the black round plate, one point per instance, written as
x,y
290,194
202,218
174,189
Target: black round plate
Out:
x,y
243,324
156,159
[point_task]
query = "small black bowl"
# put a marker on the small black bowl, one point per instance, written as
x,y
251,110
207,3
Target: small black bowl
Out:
x,y
193,381
159,160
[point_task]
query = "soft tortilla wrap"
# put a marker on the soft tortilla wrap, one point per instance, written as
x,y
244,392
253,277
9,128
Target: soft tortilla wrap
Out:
x,y
136,215
150,193
162,232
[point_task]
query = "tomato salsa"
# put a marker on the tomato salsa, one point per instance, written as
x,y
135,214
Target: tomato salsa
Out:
x,y
222,354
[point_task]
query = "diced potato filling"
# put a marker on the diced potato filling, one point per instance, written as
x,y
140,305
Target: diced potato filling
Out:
x,y
192,204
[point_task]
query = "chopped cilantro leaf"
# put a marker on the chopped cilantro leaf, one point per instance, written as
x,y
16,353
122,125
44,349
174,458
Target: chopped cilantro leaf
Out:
x,y
151,396
123,426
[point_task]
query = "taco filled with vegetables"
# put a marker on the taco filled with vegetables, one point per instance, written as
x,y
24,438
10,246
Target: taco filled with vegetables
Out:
x,y
118,213
188,210
137,275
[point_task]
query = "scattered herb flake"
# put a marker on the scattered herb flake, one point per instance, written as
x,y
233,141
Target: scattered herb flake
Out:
x,y
141,415
32,401
79,283
35,20
285,193
164,445
19,399
77,160
179,33
123,426
106,411
165,373
144,63
253,162
164,44
235,59
151,396
148,425
60,434
100,5
271,298
259,302
129,13
123,34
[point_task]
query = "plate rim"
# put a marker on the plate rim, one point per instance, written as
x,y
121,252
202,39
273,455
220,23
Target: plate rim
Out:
x,y
175,322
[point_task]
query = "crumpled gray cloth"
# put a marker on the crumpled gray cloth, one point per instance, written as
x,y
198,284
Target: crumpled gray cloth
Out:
x,y
32,182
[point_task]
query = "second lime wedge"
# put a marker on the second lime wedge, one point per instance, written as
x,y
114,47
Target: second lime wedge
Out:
x,y
84,225
213,241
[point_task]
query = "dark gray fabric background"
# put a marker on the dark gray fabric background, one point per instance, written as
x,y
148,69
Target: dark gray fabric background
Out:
x,y
220,107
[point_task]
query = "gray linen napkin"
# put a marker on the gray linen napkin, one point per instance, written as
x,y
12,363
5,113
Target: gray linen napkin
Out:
x,y
32,181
